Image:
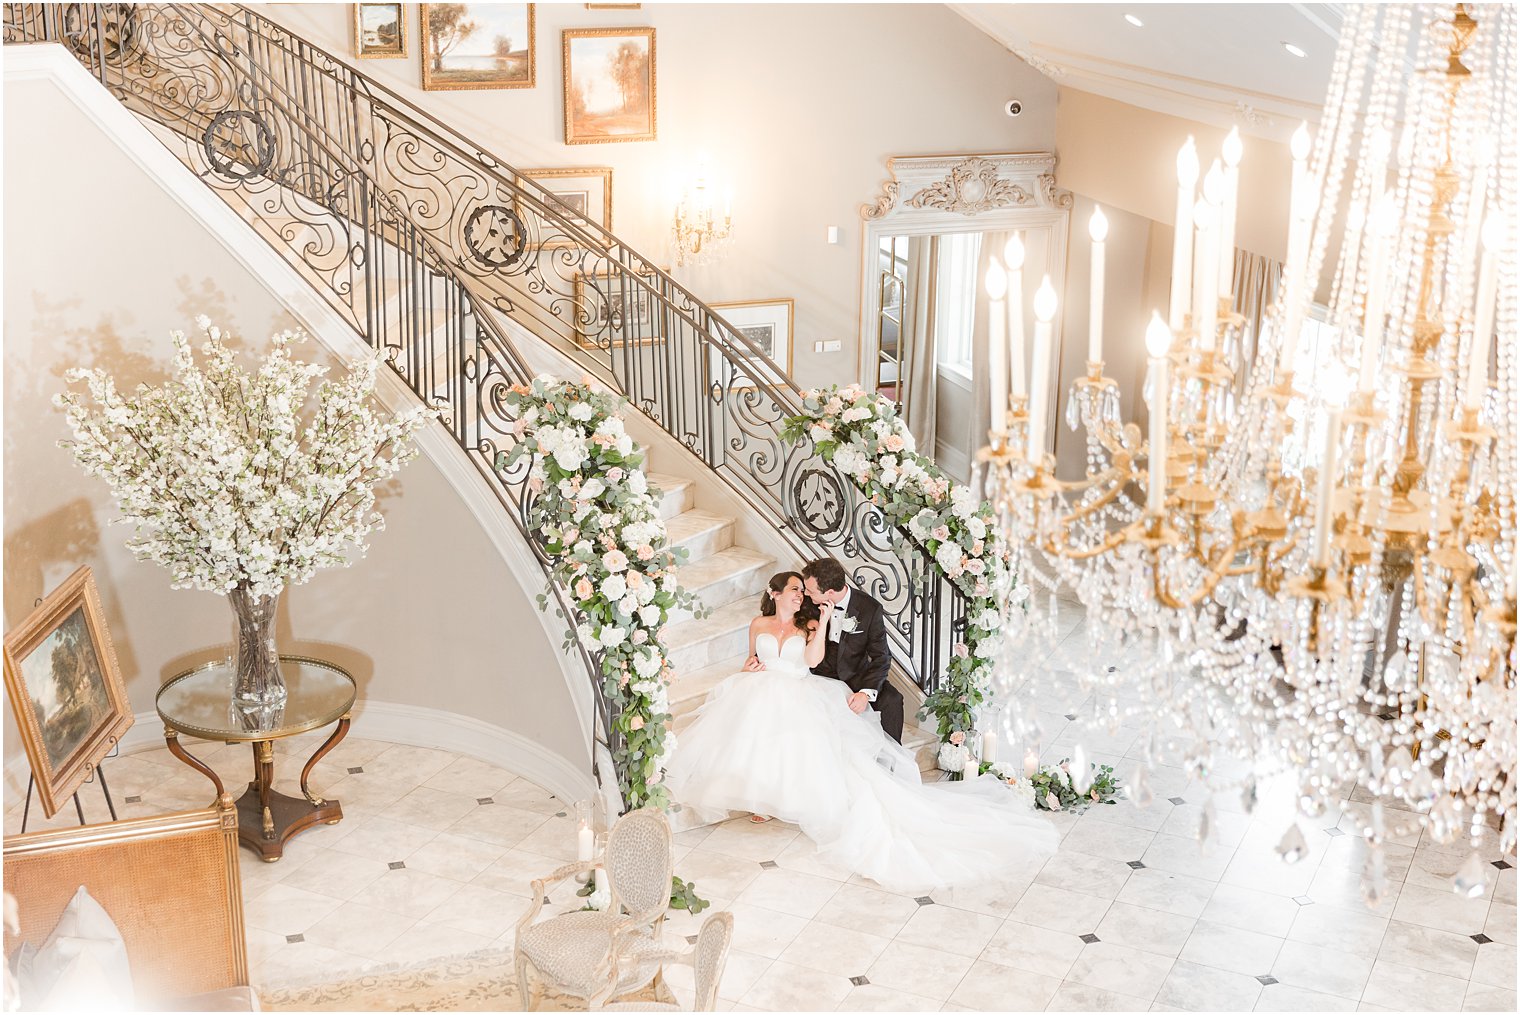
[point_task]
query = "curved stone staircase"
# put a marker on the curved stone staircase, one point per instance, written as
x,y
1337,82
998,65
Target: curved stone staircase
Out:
x,y
728,579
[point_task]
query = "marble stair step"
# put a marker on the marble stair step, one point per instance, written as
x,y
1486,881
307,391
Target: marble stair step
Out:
x,y
690,689
675,493
731,575
700,533
724,633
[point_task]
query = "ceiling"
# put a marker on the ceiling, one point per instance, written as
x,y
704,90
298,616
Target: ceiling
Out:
x,y
1219,63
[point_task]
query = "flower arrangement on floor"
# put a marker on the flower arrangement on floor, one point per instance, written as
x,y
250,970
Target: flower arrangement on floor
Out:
x,y
861,433
683,895
1056,789
606,543
233,486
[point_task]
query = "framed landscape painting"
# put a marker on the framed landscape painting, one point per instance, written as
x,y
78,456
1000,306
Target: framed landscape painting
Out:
x,y
477,46
612,310
586,191
65,691
609,85
768,326
380,31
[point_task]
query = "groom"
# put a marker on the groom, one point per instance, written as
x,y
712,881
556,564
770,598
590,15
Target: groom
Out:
x,y
856,652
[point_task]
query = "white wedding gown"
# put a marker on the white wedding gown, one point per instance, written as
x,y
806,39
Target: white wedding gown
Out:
x,y
782,741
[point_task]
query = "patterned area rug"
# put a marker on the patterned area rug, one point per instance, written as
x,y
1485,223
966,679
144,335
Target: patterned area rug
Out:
x,y
480,981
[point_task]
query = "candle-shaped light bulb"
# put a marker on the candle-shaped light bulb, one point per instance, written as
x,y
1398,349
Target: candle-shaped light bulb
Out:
x,y
1381,229
1233,150
1213,184
1206,276
997,383
1299,145
1333,390
1097,228
1158,342
1182,244
1039,372
1495,235
1013,257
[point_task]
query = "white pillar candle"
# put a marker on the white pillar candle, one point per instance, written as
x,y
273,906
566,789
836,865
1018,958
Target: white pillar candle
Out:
x,y
1477,197
1300,216
1381,238
1097,228
1039,373
1483,317
1031,763
997,381
585,843
1206,278
1013,258
1182,246
989,746
1320,548
1232,152
1299,148
1158,342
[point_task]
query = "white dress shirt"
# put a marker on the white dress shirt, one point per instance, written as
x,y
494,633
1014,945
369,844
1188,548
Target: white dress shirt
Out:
x,y
836,628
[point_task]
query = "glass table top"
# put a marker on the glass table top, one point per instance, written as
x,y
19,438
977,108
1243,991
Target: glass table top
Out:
x,y
199,701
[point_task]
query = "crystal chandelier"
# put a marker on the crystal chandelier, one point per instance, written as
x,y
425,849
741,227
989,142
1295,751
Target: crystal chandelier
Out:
x,y
1321,554
700,235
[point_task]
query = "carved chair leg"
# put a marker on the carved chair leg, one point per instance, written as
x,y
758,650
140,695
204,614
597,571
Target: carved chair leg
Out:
x,y
523,994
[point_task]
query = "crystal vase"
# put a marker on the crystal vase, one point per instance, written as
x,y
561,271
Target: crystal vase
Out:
x,y
259,682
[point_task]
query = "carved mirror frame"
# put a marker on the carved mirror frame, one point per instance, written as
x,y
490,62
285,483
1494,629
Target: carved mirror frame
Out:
x,y
938,194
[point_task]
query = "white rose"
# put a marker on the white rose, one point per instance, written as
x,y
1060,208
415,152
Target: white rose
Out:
x,y
649,616
949,559
614,587
638,484
612,636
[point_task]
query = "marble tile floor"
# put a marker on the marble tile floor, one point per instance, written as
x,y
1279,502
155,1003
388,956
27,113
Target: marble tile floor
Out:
x,y
435,852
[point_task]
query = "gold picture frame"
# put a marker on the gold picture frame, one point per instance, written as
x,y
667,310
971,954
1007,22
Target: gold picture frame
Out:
x,y
605,318
65,689
592,201
595,66
514,68
613,7
769,324
372,42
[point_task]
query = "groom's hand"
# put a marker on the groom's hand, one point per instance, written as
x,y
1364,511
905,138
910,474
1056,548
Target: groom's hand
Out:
x,y
859,702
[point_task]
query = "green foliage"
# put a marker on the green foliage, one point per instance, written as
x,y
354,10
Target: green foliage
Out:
x,y
683,895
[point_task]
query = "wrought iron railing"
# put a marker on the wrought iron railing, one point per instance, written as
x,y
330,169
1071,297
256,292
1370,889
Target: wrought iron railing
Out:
x,y
429,243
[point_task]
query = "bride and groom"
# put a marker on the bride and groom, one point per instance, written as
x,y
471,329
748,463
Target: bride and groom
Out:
x,y
810,732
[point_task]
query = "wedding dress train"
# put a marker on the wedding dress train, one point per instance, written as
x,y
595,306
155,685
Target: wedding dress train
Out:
x,y
782,741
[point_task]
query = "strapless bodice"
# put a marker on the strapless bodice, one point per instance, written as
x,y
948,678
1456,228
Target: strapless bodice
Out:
x,y
785,657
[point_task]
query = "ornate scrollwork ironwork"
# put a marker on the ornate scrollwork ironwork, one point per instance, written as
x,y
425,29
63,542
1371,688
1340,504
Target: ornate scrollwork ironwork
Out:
x,y
238,145
495,236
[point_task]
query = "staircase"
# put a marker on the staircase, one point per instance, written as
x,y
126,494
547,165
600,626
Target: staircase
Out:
x,y
728,579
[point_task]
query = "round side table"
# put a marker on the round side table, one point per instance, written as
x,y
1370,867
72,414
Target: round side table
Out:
x,y
198,703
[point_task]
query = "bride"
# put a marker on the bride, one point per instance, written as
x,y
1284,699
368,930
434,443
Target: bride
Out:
x,y
779,740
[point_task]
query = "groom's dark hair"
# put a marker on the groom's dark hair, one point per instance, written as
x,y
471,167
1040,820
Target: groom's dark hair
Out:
x,y
827,572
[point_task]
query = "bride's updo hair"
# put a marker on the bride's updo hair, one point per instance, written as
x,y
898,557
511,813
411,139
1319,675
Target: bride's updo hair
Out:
x,y
805,615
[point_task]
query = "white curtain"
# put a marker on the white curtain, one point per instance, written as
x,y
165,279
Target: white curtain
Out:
x,y
981,387
916,346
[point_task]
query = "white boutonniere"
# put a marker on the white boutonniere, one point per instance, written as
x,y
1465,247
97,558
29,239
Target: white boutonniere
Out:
x,y
848,625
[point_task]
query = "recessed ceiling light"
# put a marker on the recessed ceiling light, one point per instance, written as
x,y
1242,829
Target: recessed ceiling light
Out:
x,y
1134,21
1294,49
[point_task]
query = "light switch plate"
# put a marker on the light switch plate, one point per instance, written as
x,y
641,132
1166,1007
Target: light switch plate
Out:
x,y
833,234
833,346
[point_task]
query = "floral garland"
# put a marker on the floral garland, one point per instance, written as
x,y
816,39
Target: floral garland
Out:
x,y
861,433
601,528
1055,789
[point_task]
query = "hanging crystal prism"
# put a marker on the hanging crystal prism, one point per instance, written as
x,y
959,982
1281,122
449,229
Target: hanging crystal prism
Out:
x,y
1471,881
1374,878
1293,847
1139,787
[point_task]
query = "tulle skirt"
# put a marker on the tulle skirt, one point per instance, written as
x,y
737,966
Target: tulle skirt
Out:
x,y
786,744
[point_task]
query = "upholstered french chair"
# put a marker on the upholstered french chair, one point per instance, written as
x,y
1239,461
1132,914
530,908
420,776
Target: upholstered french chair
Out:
x,y
707,957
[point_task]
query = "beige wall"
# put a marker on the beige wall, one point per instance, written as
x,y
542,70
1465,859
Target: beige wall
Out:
x,y
100,264
1126,157
799,105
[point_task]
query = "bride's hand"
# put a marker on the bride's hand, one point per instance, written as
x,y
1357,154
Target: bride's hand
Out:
x,y
753,665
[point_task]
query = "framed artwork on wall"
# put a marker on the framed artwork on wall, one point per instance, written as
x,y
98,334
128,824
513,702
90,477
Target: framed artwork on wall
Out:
x,y
613,7
478,46
768,326
609,85
587,191
612,311
380,31
65,690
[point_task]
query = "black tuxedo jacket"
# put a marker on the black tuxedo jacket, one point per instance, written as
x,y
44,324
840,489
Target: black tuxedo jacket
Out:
x,y
861,659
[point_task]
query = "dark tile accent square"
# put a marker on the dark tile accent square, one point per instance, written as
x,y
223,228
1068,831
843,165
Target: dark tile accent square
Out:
x,y
1091,939
559,814
295,939
1266,981
1072,716
769,864
483,800
396,865
134,799
691,939
924,900
859,981
1386,716
1332,831
1503,865
1177,800
1482,939
1136,865
356,770
1303,900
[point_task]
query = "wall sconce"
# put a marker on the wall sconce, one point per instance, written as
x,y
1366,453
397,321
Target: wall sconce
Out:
x,y
701,235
